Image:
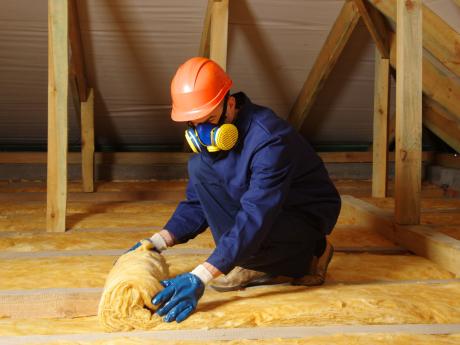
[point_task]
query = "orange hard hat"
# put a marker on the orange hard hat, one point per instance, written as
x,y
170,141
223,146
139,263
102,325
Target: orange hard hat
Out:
x,y
197,88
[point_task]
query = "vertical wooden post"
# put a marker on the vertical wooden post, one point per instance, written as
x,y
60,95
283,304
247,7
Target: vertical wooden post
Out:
x,y
408,112
58,77
219,33
380,142
87,142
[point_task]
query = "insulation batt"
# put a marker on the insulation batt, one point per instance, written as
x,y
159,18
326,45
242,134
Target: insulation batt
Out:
x,y
133,281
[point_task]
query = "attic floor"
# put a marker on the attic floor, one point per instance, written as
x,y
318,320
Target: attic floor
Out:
x,y
371,281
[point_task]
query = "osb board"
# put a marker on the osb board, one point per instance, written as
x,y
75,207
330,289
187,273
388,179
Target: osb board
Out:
x,y
91,220
31,216
452,231
440,218
37,208
290,306
91,271
351,236
99,186
427,204
363,188
338,339
434,211
352,187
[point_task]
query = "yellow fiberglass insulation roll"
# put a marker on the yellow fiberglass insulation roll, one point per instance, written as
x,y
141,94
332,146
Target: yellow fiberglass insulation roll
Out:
x,y
133,281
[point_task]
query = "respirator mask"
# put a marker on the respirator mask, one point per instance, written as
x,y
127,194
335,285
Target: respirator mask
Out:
x,y
222,136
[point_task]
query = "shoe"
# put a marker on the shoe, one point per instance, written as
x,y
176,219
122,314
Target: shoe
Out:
x,y
318,269
240,278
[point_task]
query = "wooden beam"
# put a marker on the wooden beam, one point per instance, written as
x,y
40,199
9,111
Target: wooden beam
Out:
x,y
173,158
408,164
326,60
447,160
439,122
77,61
87,142
436,84
219,33
438,37
380,142
422,240
58,78
205,35
376,26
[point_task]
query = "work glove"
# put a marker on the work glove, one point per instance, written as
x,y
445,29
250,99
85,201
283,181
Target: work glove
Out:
x,y
180,295
159,244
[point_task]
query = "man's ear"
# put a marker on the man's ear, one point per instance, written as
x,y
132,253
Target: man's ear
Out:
x,y
231,104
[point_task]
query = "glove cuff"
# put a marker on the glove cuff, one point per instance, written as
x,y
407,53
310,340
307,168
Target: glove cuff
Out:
x,y
159,242
202,272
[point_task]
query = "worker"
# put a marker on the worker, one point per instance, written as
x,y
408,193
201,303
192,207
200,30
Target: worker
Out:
x,y
256,183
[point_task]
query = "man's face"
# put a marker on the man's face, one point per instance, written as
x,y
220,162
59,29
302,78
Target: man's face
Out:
x,y
213,117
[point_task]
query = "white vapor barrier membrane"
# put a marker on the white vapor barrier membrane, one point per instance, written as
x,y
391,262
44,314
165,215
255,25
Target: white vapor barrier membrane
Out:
x,y
133,47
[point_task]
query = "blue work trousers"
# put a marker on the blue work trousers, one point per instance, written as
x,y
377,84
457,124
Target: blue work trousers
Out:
x,y
288,247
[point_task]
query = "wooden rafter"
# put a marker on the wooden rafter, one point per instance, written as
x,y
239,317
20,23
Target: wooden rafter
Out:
x,y
376,26
77,61
87,142
380,141
58,78
443,125
219,33
326,60
438,37
205,35
437,86
408,180
172,158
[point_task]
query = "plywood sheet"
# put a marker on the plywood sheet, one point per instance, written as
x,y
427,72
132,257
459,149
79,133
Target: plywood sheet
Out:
x,y
351,237
289,306
99,186
427,204
339,339
20,222
91,271
452,231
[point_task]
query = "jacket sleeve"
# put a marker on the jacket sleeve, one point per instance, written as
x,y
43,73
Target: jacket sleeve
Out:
x,y
188,220
271,170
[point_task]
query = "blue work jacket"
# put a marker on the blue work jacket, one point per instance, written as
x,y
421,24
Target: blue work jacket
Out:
x,y
271,169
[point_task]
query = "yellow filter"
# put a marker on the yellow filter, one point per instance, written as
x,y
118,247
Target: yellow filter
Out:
x,y
226,136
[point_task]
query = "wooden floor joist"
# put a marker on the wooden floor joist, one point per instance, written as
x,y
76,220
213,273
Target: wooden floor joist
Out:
x,y
438,247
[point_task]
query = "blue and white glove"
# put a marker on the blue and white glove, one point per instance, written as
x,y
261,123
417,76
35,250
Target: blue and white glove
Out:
x,y
180,295
159,244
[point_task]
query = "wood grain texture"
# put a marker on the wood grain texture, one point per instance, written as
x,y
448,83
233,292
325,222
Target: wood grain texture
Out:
x,y
376,26
58,78
439,38
77,61
408,148
325,62
380,133
87,142
219,33
205,34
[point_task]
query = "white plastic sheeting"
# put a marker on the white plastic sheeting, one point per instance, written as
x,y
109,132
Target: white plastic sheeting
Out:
x,y
133,47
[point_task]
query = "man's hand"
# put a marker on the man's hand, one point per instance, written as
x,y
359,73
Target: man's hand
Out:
x,y
159,244
179,297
